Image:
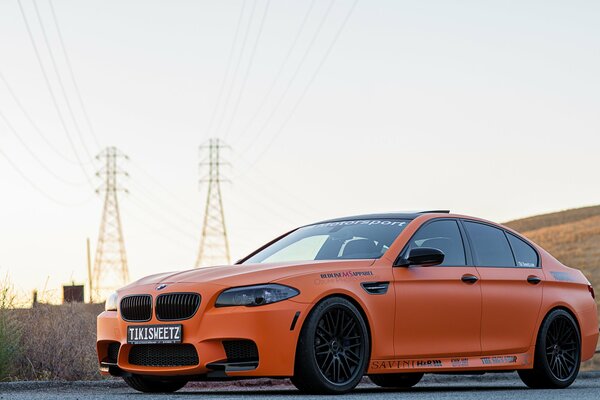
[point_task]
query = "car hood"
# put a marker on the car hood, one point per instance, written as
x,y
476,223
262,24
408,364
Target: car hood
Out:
x,y
250,274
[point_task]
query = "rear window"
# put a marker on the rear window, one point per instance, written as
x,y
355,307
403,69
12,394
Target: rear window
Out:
x,y
525,255
338,240
490,245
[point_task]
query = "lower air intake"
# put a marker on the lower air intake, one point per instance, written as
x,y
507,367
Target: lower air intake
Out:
x,y
240,350
163,355
113,353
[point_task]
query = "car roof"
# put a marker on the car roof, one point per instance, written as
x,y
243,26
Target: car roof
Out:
x,y
392,215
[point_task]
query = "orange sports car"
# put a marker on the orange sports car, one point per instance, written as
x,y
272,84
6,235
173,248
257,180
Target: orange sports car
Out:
x,y
392,296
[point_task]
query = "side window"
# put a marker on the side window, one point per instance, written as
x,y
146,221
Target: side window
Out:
x,y
442,235
525,255
490,245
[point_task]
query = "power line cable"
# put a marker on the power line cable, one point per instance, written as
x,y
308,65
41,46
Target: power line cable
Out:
x,y
72,75
284,214
248,68
49,170
291,80
52,95
308,85
235,71
289,53
227,69
30,119
233,199
163,187
60,82
160,215
271,183
161,233
165,205
39,189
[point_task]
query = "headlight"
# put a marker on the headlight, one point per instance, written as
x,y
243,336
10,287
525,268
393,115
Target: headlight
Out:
x,y
258,295
111,302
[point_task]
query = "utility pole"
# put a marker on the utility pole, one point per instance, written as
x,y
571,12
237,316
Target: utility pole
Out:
x,y
110,265
89,270
214,244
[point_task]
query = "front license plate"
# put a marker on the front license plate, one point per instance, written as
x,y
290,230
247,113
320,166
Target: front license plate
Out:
x,y
154,334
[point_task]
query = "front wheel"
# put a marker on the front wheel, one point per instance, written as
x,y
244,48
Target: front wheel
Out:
x,y
557,353
333,349
400,381
146,385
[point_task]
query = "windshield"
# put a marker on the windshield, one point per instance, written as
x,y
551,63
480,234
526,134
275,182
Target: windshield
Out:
x,y
339,240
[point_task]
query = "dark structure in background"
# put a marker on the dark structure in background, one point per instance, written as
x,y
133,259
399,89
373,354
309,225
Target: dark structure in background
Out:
x,y
73,294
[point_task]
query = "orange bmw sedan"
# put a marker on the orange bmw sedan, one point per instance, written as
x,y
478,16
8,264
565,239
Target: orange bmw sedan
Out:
x,y
391,296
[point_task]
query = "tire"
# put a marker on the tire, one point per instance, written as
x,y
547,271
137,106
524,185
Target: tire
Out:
x,y
158,385
399,381
557,353
333,349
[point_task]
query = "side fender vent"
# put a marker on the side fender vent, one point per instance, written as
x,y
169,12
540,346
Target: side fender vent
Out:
x,y
375,287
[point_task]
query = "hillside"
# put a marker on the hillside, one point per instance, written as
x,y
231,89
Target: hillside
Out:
x,y
553,219
572,236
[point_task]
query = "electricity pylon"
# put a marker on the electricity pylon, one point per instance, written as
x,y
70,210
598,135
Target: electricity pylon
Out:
x,y
110,265
214,244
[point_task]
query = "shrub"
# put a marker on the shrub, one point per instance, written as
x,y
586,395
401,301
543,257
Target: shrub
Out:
x,y
10,331
58,342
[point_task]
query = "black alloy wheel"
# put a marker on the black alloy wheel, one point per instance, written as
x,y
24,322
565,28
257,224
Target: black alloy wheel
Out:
x,y
338,345
333,349
562,348
557,353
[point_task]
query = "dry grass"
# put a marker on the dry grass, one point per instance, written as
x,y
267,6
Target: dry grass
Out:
x,y
58,342
10,331
553,219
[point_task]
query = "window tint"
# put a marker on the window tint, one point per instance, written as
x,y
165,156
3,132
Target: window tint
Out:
x,y
490,245
442,235
525,255
336,240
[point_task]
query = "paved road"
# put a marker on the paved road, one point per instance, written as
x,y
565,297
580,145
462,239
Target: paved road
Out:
x,y
488,387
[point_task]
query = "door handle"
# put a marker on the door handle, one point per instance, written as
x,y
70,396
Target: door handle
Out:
x,y
468,278
534,280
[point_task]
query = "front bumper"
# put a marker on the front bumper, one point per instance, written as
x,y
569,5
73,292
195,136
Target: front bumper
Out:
x,y
269,327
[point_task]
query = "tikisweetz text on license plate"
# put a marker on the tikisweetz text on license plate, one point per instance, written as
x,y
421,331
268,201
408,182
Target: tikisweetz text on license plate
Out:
x,y
154,334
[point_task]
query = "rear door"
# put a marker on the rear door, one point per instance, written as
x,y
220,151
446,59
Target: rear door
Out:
x,y
438,308
511,287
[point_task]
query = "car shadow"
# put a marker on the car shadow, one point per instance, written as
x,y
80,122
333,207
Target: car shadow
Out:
x,y
359,391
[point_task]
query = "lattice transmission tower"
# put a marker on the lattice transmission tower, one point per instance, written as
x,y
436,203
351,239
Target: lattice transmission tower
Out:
x,y
110,265
214,244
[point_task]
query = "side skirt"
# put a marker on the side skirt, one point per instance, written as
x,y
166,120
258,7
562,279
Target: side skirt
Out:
x,y
453,364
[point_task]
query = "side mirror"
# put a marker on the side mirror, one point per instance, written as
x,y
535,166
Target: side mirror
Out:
x,y
423,257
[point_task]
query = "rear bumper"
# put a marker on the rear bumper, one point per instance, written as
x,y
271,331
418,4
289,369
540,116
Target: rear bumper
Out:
x,y
588,324
269,327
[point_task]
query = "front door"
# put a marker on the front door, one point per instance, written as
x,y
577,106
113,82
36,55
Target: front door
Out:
x,y
438,309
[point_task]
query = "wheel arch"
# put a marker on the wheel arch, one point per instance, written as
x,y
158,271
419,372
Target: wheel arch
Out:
x,y
359,306
563,307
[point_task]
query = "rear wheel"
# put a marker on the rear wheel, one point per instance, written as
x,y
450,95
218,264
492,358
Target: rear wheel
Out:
x,y
557,353
396,380
333,349
158,385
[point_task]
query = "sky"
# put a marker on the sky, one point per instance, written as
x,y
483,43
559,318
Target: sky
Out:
x,y
330,108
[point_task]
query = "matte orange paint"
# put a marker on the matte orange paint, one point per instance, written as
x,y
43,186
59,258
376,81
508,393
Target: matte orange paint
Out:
x,y
429,320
